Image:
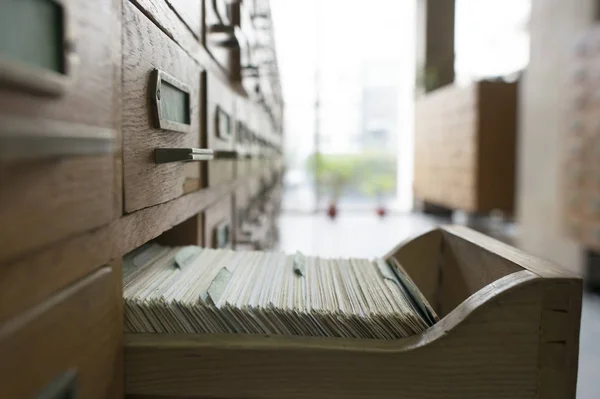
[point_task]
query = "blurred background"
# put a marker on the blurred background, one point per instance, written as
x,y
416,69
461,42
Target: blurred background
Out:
x,y
400,115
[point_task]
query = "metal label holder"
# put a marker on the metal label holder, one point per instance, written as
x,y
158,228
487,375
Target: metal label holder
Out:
x,y
160,121
37,79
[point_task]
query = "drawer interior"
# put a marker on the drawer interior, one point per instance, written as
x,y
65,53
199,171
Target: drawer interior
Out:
x,y
448,268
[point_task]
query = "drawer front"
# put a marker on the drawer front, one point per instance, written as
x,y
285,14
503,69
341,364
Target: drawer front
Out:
x,y
70,345
161,110
218,224
219,36
44,201
58,116
44,76
221,132
243,137
190,11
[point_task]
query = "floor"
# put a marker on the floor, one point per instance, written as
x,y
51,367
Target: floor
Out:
x,y
366,235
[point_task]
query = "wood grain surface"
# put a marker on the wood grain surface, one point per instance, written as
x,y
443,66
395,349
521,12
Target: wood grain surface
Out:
x,y
55,266
497,153
169,22
42,202
145,49
90,98
189,232
514,335
420,257
465,147
77,329
192,13
478,332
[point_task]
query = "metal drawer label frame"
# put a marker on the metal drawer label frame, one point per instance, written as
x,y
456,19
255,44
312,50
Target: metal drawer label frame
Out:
x,y
165,91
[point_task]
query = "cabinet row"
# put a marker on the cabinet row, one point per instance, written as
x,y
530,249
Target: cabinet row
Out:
x,y
71,344
465,146
238,34
115,125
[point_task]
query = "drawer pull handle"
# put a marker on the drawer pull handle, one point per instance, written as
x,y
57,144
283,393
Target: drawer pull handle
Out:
x,y
226,154
37,51
170,100
63,387
167,155
221,28
30,139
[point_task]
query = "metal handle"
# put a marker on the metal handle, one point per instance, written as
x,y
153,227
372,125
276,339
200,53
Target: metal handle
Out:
x,y
29,139
63,387
225,154
167,155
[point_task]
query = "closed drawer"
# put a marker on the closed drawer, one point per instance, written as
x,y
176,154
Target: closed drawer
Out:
x,y
43,201
219,36
190,11
221,132
58,112
218,224
73,341
57,60
161,110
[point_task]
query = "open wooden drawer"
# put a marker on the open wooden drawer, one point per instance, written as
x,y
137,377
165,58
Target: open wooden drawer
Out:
x,y
509,328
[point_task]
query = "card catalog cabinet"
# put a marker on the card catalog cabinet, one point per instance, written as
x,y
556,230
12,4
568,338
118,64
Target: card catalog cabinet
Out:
x,y
465,147
122,124
580,177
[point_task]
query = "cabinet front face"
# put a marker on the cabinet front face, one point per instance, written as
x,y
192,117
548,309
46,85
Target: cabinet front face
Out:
x,y
68,346
218,224
221,125
243,136
219,35
59,87
446,148
190,11
161,115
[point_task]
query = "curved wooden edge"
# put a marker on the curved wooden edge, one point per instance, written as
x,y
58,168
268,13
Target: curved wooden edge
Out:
x,y
476,304
419,255
486,347
541,267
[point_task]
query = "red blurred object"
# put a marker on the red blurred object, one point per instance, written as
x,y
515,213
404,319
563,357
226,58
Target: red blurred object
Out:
x,y
381,211
332,210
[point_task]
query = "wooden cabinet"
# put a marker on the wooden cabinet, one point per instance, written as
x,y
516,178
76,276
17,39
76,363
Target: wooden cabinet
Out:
x,y
161,111
221,132
509,328
465,147
71,344
580,165
110,112
59,121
